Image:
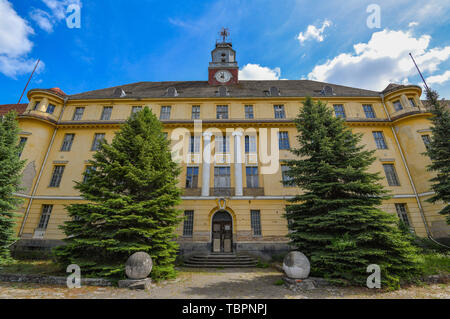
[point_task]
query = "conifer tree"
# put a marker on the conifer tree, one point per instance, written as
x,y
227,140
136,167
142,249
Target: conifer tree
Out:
x,y
131,190
336,221
10,178
439,152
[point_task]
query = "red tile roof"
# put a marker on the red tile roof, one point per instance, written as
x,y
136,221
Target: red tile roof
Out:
x,y
19,108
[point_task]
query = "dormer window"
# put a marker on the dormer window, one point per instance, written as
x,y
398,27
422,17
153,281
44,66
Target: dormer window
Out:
x,y
50,109
223,91
172,92
274,91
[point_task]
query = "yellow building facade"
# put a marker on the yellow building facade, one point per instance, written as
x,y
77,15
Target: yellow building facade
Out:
x,y
230,138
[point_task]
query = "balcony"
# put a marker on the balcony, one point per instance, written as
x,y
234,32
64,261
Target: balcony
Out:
x,y
408,111
192,192
254,191
222,191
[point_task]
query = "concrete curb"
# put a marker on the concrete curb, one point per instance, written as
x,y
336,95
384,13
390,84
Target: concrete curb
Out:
x,y
53,280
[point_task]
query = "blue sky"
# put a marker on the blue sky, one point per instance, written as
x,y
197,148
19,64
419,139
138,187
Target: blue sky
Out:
x,y
122,42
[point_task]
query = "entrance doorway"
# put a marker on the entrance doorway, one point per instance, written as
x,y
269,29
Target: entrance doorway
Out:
x,y
222,233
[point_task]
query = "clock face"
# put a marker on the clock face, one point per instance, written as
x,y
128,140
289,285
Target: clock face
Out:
x,y
223,76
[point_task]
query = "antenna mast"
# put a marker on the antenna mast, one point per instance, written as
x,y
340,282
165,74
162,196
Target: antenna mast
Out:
x,y
35,67
426,86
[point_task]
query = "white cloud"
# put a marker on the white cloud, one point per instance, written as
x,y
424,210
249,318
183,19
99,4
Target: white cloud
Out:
x,y
383,59
257,72
15,44
47,20
438,79
413,24
313,32
43,19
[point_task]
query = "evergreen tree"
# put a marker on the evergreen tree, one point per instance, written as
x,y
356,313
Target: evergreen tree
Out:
x,y
131,190
439,152
335,221
10,178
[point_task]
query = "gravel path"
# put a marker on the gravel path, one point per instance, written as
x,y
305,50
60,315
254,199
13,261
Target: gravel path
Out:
x,y
217,283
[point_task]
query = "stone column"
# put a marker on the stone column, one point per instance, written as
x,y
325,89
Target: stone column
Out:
x,y
206,163
238,163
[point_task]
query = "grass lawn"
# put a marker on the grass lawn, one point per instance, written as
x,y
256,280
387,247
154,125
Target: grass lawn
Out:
x,y
432,263
33,267
436,263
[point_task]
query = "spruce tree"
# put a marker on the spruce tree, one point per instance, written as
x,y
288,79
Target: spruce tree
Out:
x,y
10,178
336,221
131,191
439,152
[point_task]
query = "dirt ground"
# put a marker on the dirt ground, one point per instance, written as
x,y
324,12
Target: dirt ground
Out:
x,y
218,284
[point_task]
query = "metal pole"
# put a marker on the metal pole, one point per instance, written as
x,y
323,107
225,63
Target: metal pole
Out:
x,y
426,86
35,67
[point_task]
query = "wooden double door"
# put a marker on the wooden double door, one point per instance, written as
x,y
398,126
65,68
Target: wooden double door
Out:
x,y
222,233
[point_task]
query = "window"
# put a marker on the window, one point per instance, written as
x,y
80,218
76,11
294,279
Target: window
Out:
x,y
250,144
136,109
23,141
188,226
222,144
222,112
412,102
398,105
222,177
36,105
391,175
339,111
78,114
283,140
45,216
192,177
106,114
379,140
196,112
98,138
165,113
87,171
285,178
67,142
368,109
426,140
50,109
279,111
255,216
194,144
249,111
252,176
402,214
57,175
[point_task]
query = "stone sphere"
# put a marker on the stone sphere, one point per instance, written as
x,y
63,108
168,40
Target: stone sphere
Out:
x,y
138,266
296,265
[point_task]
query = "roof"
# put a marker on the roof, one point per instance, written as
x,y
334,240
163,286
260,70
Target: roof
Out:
x,y
19,108
394,87
201,89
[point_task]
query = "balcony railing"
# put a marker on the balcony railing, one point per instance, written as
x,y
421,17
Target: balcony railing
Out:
x,y
254,191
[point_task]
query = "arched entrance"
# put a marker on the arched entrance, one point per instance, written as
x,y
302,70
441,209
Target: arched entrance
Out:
x,y
222,232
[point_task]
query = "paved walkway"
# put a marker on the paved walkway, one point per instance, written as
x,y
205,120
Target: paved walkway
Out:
x,y
215,283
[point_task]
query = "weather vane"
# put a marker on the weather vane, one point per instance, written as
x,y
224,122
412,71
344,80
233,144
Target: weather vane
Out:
x,y
224,33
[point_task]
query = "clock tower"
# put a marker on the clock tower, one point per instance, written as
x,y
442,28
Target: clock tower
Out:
x,y
223,70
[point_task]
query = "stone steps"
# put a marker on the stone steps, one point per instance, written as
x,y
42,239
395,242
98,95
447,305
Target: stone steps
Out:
x,y
220,261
